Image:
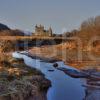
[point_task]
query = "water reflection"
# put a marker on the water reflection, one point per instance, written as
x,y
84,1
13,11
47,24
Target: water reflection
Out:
x,y
63,87
92,91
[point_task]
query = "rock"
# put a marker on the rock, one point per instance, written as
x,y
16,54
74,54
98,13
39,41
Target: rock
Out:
x,y
50,70
55,65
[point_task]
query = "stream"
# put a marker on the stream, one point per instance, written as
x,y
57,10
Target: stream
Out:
x,y
63,87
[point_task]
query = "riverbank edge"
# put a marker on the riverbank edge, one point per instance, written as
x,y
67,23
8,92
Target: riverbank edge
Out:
x,y
34,91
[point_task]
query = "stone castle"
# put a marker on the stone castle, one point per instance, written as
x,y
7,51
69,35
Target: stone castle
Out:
x,y
40,31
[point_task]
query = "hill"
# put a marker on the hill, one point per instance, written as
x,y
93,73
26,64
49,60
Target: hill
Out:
x,y
3,27
6,31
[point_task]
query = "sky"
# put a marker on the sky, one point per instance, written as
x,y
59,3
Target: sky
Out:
x,y
61,15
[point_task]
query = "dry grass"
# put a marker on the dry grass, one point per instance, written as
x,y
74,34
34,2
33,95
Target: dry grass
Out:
x,y
29,37
68,53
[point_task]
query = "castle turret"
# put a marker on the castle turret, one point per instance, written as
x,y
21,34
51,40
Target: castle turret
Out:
x,y
50,31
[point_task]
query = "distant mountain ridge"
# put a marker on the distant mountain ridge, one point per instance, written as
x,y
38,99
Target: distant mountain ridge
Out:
x,y
3,27
6,31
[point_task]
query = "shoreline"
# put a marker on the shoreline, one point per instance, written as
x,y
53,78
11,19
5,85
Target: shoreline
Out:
x,y
92,85
44,59
24,82
85,73
80,65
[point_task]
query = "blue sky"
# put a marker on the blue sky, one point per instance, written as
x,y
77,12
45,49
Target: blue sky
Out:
x,y
61,15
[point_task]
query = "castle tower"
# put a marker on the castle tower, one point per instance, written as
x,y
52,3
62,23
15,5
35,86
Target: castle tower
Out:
x,y
50,31
36,29
39,29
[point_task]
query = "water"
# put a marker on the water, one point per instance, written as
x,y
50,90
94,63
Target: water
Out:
x,y
63,86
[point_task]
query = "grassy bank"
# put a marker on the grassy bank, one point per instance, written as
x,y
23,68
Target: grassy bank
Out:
x,y
20,82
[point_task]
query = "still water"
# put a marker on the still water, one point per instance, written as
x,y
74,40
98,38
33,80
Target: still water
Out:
x,y
63,87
